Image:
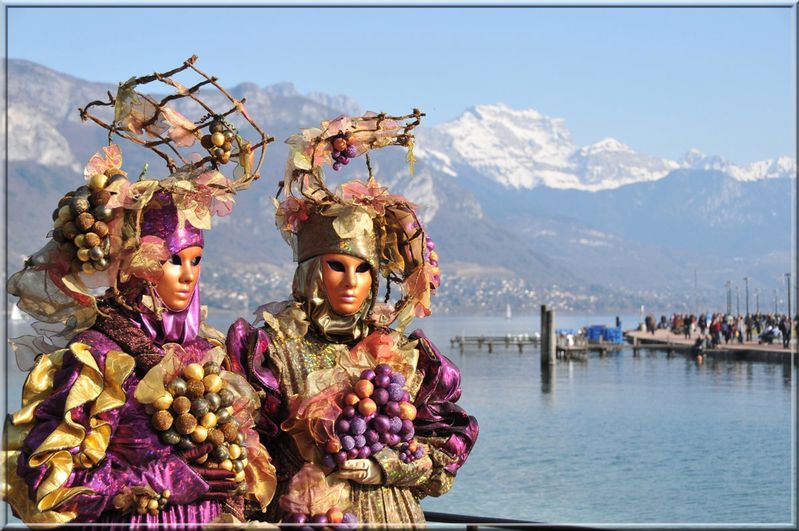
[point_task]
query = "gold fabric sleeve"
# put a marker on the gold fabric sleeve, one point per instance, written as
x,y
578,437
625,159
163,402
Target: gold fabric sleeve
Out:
x,y
439,481
103,390
400,474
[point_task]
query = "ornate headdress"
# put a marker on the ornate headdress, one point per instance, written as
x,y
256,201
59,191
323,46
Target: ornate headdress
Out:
x,y
360,219
114,232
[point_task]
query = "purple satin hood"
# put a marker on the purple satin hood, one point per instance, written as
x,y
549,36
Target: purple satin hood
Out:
x,y
161,219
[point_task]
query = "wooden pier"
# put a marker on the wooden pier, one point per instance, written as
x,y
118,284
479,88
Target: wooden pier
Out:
x,y
580,349
508,341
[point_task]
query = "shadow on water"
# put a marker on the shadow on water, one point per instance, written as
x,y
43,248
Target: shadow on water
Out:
x,y
548,378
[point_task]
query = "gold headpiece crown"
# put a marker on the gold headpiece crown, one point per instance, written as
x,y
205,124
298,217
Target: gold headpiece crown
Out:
x,y
361,219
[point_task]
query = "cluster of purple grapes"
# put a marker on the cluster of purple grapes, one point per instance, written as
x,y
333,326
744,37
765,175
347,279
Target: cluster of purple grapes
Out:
x,y
342,158
376,415
432,259
340,520
410,451
432,255
343,151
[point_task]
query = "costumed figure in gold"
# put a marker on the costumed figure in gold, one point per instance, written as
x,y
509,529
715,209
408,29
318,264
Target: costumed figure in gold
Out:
x,y
360,419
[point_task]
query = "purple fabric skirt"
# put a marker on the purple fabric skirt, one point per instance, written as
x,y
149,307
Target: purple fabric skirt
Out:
x,y
191,516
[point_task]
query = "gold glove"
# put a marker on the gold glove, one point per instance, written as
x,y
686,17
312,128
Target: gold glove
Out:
x,y
364,471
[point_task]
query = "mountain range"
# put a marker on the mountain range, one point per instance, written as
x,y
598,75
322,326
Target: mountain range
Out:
x,y
521,214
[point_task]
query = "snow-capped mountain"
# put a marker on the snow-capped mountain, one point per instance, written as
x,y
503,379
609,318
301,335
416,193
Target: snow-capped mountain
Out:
x,y
523,149
779,168
610,164
518,149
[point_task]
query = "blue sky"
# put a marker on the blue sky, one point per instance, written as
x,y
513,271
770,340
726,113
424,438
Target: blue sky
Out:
x,y
662,80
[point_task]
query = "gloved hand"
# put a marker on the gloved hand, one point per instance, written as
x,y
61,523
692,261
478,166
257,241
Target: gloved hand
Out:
x,y
364,471
220,483
197,451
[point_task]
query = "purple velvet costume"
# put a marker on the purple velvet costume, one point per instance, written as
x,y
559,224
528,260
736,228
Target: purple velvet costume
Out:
x,y
135,456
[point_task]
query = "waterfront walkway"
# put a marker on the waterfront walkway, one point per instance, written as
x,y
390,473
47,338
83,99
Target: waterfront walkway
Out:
x,y
747,350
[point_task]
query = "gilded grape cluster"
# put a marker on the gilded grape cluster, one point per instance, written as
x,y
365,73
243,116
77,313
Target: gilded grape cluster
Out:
x,y
146,504
80,223
198,408
219,141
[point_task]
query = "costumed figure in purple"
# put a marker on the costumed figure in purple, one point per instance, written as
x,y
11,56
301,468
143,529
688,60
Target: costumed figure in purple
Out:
x,y
360,419
132,418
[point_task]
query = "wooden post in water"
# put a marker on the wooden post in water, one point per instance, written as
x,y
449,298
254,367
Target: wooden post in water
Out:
x,y
552,340
548,340
544,334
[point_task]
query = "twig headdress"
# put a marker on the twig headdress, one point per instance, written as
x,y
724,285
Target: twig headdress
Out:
x,y
361,219
97,240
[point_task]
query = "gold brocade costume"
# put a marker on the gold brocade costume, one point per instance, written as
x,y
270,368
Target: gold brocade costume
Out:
x,y
397,501
311,352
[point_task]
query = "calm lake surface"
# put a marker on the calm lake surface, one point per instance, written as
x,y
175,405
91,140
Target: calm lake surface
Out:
x,y
647,439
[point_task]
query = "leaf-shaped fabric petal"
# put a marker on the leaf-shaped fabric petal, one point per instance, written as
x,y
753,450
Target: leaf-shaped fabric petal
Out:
x,y
351,221
311,492
147,261
183,131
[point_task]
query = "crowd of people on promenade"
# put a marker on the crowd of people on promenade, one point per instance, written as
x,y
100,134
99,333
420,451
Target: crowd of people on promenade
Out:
x,y
728,327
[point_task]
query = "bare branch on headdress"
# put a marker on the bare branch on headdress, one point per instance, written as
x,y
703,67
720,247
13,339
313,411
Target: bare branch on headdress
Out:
x,y
96,241
337,142
114,130
137,114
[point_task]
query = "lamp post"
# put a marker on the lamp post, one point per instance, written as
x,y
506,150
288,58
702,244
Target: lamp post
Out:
x,y
746,282
757,301
775,300
788,280
727,285
737,302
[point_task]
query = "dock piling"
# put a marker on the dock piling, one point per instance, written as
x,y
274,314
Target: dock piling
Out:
x,y
552,340
548,339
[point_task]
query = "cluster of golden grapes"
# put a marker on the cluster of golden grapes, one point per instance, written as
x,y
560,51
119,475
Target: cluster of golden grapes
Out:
x,y
196,408
219,141
146,504
80,223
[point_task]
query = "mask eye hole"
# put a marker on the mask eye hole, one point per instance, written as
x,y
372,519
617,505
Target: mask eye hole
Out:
x,y
175,260
363,268
336,266
196,260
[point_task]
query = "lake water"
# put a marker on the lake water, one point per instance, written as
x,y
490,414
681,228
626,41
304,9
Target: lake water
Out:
x,y
619,439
